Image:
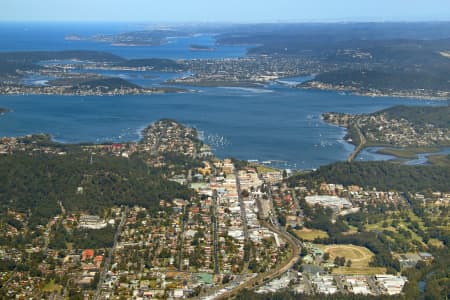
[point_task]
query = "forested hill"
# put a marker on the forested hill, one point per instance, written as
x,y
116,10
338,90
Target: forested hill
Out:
x,y
35,184
420,116
384,80
383,176
36,56
12,63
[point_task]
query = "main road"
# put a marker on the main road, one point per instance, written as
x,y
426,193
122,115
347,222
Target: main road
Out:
x,y
215,234
360,146
110,255
261,279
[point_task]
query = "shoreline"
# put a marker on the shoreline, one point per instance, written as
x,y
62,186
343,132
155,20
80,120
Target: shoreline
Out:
x,y
374,94
92,93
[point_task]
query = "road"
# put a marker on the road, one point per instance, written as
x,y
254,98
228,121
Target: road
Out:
x,y
242,205
181,240
215,234
110,255
362,143
261,279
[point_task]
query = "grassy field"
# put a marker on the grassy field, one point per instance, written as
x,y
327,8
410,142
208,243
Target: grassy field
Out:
x,y
440,160
407,153
263,169
360,256
310,234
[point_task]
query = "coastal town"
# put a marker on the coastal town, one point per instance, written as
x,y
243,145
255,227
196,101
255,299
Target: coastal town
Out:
x,y
244,227
253,71
400,131
376,92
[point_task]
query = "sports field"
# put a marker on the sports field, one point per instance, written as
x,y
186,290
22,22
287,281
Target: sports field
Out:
x,y
360,257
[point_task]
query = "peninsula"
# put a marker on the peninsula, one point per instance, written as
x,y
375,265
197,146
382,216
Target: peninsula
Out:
x,y
66,73
195,47
406,128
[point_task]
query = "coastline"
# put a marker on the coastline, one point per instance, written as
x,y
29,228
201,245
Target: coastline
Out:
x,y
207,83
121,92
314,85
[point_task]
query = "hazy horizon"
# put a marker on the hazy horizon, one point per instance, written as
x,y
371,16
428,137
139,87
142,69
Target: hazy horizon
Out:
x,y
231,11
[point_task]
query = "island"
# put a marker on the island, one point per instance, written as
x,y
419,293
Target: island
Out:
x,y
3,111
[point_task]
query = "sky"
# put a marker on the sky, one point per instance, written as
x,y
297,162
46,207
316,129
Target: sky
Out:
x,y
230,11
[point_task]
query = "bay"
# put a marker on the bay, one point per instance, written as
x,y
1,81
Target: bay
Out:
x,y
276,122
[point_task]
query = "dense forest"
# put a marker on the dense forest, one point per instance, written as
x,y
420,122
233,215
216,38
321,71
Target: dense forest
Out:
x,y
382,175
37,56
292,39
12,62
36,183
385,79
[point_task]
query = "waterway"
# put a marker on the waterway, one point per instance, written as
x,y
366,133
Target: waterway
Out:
x,y
276,122
370,153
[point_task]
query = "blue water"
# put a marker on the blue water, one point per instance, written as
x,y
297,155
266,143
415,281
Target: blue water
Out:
x,y
266,124
50,37
422,158
275,122
370,153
